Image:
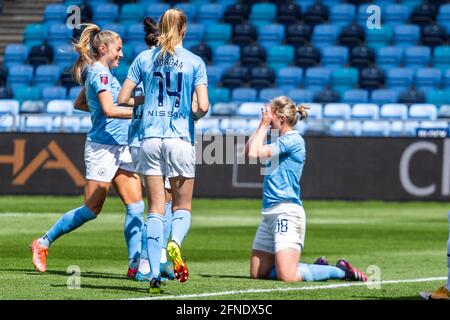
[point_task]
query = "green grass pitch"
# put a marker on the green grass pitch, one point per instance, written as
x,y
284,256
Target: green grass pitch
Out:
x,y
406,241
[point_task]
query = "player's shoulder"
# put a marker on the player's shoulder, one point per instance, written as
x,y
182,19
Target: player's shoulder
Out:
x,y
293,139
147,53
197,60
97,68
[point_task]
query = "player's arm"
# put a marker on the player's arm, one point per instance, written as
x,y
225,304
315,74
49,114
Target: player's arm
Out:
x,y
110,110
200,101
126,97
255,146
80,102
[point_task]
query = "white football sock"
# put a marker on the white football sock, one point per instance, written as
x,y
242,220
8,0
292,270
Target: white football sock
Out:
x,y
163,255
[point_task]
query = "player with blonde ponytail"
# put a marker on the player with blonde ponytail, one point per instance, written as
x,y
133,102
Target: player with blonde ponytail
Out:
x,y
107,156
280,236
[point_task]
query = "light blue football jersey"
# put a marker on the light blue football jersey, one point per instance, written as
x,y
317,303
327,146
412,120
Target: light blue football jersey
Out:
x,y
135,132
282,181
104,130
169,85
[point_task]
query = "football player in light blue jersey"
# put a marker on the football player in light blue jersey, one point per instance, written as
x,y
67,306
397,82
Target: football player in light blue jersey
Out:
x,y
280,236
134,141
107,157
171,76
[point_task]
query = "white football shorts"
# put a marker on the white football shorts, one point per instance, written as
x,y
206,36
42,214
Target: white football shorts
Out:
x,y
282,227
102,160
135,158
169,157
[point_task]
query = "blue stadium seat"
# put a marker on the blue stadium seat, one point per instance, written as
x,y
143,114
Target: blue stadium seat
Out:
x,y
46,76
55,13
250,109
235,77
271,35
24,93
119,28
37,123
135,34
189,10
233,125
301,95
226,56
395,14
438,97
121,72
424,111
280,56
334,57
444,111
65,56
427,79
210,13
315,111
443,125
324,35
208,126
224,109
32,106
73,92
85,124
365,111
406,35
7,122
343,79
337,111
54,93
194,35
218,95
267,94
131,13
316,78
241,95
354,96
338,129
378,38
35,34
342,14
361,15
262,14
70,124
443,16
15,54
394,111
59,107
375,129
156,10
384,96
289,77
441,57
389,57
19,76
417,57
9,106
354,128
59,35
217,35
399,78
214,75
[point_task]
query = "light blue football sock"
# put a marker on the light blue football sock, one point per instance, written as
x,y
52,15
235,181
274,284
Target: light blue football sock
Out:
x,y
315,272
67,223
133,231
144,254
155,226
168,224
181,221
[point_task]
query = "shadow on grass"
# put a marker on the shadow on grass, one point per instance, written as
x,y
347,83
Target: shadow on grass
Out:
x,y
106,287
95,275
224,276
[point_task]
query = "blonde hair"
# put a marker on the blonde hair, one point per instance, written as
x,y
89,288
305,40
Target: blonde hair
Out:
x,y
283,106
172,25
90,40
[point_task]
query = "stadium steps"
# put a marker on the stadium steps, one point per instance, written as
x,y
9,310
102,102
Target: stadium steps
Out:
x,y
15,16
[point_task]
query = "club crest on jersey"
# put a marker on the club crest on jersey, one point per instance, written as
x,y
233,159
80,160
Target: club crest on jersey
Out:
x,y
104,78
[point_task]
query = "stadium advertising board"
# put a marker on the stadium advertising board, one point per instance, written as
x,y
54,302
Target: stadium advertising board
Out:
x,y
336,168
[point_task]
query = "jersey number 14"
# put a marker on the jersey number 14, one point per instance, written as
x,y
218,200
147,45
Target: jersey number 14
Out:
x,y
176,94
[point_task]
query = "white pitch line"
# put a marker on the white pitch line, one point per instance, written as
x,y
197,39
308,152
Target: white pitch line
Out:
x,y
331,286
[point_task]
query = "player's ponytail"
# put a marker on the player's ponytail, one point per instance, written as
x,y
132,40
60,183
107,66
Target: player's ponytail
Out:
x,y
90,40
172,28
301,108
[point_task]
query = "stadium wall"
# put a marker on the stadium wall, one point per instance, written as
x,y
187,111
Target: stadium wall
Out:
x,y
336,168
